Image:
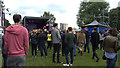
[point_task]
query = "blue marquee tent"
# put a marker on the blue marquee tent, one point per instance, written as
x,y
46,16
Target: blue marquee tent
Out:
x,y
95,24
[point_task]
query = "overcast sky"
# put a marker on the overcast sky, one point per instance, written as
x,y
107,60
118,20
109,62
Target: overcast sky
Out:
x,y
65,11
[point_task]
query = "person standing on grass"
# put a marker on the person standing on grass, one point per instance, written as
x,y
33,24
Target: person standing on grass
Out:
x,y
33,38
16,42
75,44
111,46
63,43
56,38
101,39
70,42
87,34
42,39
106,33
49,40
81,40
95,42
3,53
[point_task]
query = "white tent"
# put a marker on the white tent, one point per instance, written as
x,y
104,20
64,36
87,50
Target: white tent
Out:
x,y
95,23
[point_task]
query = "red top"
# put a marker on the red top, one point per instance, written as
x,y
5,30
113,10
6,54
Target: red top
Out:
x,y
16,41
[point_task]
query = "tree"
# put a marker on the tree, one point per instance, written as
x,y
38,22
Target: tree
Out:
x,y
6,23
115,18
89,11
49,15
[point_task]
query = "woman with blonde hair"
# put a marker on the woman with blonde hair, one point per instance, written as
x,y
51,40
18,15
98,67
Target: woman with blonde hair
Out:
x,y
33,38
81,40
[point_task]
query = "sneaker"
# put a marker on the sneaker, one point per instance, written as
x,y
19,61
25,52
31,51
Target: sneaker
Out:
x,y
97,60
65,64
70,64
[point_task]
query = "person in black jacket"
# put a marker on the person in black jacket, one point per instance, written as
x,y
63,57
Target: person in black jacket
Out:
x,y
95,42
3,53
33,38
87,34
63,43
42,39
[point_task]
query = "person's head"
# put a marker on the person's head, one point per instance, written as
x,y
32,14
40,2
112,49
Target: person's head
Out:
x,y
55,25
17,18
95,28
82,31
41,31
105,30
86,29
49,32
101,32
69,29
34,32
64,31
113,32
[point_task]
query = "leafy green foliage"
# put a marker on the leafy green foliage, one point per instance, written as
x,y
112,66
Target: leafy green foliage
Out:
x,y
115,18
89,11
6,23
49,15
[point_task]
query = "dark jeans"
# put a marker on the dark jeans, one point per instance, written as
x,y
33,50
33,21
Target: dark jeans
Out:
x,y
5,60
111,62
63,49
56,50
34,48
87,45
101,42
94,54
41,48
67,50
49,44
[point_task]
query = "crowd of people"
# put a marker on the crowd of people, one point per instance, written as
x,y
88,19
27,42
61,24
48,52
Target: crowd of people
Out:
x,y
16,43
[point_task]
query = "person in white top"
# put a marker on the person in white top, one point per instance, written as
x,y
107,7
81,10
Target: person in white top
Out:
x,y
101,39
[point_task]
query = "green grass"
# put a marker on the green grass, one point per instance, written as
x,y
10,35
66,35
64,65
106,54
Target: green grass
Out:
x,y
84,60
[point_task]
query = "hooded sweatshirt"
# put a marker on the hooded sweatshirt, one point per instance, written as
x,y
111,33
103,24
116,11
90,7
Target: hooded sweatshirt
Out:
x,y
16,41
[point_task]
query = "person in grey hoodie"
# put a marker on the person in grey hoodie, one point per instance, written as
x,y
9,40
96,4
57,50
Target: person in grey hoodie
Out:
x,y
56,42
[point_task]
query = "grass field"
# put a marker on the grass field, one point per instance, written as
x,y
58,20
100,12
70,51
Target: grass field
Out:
x,y
84,60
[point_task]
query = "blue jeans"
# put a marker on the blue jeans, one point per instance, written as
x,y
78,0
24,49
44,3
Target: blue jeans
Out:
x,y
111,62
67,50
75,49
41,48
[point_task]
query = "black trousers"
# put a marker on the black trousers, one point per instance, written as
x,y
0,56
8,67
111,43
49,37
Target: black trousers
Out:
x,y
56,50
63,49
34,48
49,44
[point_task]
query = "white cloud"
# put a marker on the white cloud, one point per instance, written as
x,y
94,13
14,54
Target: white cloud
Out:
x,y
65,11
